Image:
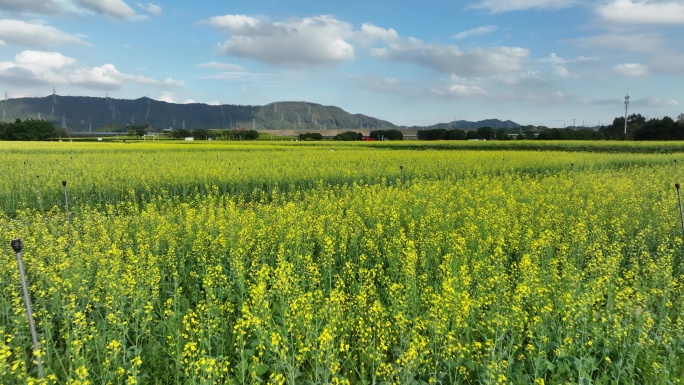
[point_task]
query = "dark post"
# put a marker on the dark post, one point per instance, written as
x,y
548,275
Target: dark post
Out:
x,y
66,202
17,246
681,212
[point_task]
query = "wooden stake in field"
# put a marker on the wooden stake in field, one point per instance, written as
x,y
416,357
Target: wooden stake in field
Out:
x,y
401,171
681,212
66,203
17,246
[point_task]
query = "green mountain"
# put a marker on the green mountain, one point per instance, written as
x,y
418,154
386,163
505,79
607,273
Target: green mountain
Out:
x,y
83,113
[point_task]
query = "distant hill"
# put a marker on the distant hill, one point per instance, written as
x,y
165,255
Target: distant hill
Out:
x,y
83,113
493,123
468,125
80,113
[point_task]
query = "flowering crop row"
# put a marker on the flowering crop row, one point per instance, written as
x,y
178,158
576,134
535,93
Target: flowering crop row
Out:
x,y
242,264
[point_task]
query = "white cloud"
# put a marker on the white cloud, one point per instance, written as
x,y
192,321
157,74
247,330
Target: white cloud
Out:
x,y
306,42
459,91
151,8
631,69
566,68
173,83
35,67
499,6
114,8
222,66
35,35
236,23
483,61
646,42
106,77
53,68
370,33
2,42
168,97
642,12
475,31
30,6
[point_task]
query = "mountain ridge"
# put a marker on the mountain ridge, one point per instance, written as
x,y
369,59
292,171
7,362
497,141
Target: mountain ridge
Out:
x,y
88,113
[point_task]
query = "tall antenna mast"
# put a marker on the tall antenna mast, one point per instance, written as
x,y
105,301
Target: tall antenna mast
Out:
x,y
223,117
64,126
626,107
147,114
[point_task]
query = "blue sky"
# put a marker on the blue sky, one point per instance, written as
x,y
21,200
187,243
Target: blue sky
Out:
x,y
541,62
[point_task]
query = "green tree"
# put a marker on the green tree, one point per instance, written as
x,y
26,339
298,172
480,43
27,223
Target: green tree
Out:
x,y
181,133
28,130
502,134
485,133
456,134
387,135
348,136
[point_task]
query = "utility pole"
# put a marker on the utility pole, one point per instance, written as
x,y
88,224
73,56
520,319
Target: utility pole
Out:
x,y
626,107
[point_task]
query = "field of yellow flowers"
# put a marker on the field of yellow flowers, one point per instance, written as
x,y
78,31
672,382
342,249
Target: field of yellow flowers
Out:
x,y
343,263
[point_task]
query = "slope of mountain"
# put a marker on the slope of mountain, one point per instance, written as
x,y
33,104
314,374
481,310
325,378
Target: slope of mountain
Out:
x,y
83,113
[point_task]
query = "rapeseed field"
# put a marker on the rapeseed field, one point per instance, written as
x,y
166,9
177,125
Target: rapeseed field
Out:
x,y
339,263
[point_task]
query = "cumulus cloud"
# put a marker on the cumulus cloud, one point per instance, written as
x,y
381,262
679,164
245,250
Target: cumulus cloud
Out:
x,y
35,35
312,41
168,97
35,67
30,6
151,8
566,68
114,8
499,6
370,33
459,91
642,12
642,42
53,68
173,83
483,61
475,31
631,69
106,77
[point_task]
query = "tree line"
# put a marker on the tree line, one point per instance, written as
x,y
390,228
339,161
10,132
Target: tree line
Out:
x,y
29,129
641,128
204,134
